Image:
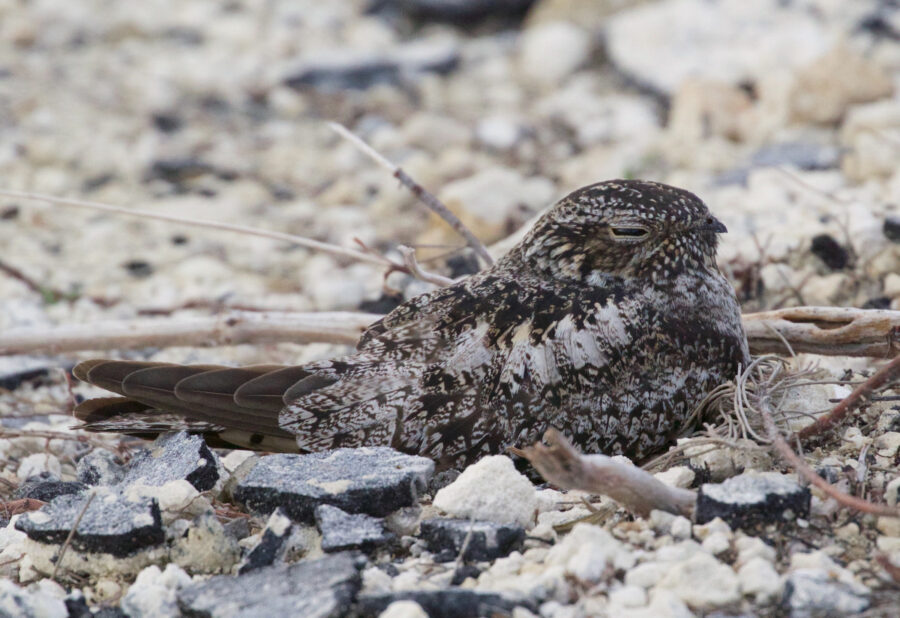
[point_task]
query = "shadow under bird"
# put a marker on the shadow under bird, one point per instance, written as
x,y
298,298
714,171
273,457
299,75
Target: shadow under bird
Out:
x,y
610,321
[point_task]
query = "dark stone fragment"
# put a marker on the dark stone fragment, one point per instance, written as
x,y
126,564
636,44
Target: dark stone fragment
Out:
x,y
139,269
488,540
462,264
8,214
172,457
12,381
827,249
323,588
384,304
46,490
375,481
96,182
77,607
342,531
879,302
463,572
891,228
339,71
111,524
178,170
803,155
753,499
238,528
447,603
458,12
179,239
880,24
99,467
166,123
271,546
810,593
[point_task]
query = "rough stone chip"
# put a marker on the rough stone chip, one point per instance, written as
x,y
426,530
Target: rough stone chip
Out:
x,y
322,588
446,537
111,524
342,531
447,603
272,544
753,499
173,457
374,481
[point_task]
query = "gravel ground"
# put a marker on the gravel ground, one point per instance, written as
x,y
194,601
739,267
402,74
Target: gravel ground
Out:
x,y
783,116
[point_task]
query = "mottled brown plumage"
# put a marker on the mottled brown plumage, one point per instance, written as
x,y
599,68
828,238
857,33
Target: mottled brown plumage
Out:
x,y
610,321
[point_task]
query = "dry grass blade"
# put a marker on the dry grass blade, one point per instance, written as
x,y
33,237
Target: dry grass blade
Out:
x,y
68,541
300,241
424,196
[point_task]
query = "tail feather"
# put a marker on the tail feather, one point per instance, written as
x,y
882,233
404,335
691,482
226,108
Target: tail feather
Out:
x,y
160,397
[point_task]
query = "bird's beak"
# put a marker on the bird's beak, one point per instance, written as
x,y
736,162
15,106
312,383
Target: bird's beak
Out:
x,y
711,224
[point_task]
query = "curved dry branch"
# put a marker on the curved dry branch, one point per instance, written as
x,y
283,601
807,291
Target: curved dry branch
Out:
x,y
635,489
832,331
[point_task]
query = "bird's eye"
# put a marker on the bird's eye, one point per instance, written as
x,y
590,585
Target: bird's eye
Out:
x,y
628,233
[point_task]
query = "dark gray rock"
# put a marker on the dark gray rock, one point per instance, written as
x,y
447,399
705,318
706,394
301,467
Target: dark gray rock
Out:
x,y
802,155
323,588
111,524
891,228
77,607
99,467
174,457
374,481
46,487
753,499
271,546
342,531
830,251
459,12
812,593
342,70
489,540
447,603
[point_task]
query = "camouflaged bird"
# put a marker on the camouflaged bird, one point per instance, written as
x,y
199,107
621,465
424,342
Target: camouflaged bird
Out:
x,y
610,321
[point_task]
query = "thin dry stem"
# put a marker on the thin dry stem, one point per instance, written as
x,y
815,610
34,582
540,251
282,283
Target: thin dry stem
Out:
x,y
65,545
424,196
804,470
633,488
879,380
409,258
216,225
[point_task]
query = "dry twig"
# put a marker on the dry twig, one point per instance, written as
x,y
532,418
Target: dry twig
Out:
x,y
22,505
423,195
835,331
804,470
832,331
633,488
409,258
228,329
879,380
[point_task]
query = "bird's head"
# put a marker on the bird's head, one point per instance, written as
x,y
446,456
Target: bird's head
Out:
x,y
624,228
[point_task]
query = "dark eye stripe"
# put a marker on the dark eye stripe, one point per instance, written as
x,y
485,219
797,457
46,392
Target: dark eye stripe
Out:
x,y
630,232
